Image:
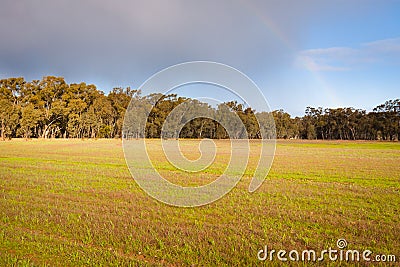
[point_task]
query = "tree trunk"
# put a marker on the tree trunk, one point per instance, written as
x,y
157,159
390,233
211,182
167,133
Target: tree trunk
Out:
x,y
45,132
201,129
2,130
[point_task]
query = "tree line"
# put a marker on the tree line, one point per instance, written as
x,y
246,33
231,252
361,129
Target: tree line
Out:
x,y
52,108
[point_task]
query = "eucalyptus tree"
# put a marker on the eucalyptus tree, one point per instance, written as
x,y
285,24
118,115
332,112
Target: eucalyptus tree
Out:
x,y
10,91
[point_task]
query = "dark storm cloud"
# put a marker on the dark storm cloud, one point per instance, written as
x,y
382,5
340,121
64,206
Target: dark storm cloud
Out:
x,y
124,42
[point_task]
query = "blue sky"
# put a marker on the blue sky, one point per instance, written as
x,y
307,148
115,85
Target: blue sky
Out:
x,y
300,53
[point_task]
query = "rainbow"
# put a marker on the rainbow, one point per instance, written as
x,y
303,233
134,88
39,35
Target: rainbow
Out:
x,y
273,28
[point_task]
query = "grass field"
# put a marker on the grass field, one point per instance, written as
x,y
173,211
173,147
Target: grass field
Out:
x,y
73,202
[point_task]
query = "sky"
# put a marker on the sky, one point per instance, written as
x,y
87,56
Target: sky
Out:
x,y
337,53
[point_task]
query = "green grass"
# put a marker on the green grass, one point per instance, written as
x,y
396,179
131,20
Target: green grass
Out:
x,y
73,202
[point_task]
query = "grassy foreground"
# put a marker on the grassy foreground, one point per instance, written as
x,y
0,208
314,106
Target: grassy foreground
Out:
x,y
73,202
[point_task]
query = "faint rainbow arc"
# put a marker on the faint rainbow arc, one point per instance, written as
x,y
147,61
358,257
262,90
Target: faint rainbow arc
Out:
x,y
277,32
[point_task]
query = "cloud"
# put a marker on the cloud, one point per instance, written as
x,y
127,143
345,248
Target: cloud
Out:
x,y
328,59
127,41
385,46
385,51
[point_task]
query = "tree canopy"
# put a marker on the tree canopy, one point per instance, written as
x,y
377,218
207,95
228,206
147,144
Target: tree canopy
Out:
x,y
52,108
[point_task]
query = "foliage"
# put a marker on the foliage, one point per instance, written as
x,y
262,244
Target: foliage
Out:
x,y
51,108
